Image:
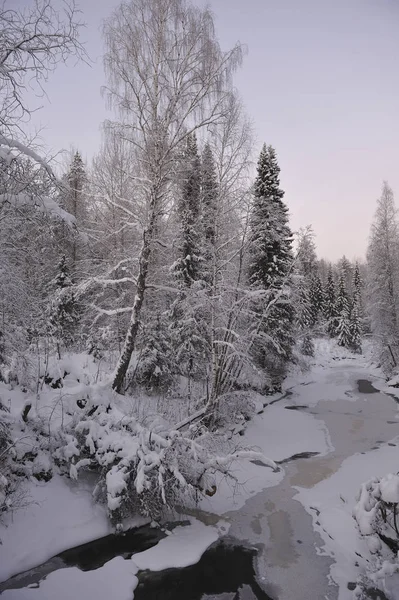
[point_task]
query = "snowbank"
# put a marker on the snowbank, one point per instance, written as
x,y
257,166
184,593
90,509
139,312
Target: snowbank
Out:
x,y
117,579
183,547
278,433
331,503
59,515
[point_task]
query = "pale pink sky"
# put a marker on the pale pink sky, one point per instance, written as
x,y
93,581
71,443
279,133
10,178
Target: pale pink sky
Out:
x,y
321,83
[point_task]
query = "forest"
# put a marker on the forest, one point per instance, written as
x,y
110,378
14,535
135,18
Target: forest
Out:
x,y
153,297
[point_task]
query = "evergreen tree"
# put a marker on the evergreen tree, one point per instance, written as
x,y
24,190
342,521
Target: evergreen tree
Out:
x,y
270,260
209,199
357,289
342,303
76,178
270,237
330,304
155,369
316,297
187,268
189,332
343,322
344,328
307,346
355,330
346,269
74,202
306,254
63,310
304,308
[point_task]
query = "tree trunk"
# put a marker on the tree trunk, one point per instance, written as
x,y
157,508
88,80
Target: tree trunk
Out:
x,y
131,335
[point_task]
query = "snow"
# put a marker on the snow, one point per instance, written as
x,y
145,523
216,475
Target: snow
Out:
x,y
330,503
183,547
278,433
389,488
59,515
43,203
365,512
116,579
62,513
281,433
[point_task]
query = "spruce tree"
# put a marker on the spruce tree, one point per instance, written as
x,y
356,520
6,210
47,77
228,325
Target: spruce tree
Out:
x,y
76,178
187,268
346,269
270,237
74,202
343,314
330,304
63,310
155,367
316,297
306,254
209,199
304,308
357,290
355,330
342,303
307,346
270,260
344,328
189,331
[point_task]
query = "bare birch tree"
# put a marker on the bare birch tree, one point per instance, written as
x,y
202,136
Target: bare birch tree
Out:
x,y
33,41
167,78
383,276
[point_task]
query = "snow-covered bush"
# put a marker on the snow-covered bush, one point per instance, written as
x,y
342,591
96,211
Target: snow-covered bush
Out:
x,y
4,448
154,370
142,470
235,408
376,515
12,494
307,346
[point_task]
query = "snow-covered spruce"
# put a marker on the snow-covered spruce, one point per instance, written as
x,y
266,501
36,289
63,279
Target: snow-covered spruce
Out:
x,y
269,268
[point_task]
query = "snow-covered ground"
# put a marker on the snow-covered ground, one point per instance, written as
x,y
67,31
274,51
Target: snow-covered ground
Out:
x,y
58,515
349,431
331,503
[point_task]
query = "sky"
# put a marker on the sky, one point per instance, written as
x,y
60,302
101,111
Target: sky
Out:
x,y
320,82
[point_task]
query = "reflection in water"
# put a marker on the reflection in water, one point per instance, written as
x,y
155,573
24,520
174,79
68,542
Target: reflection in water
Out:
x,y
365,387
281,552
92,555
224,568
308,475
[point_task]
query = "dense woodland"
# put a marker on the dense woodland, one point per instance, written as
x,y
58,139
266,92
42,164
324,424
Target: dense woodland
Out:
x,y
147,294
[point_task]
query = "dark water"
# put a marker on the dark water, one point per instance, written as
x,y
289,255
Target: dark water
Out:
x,y
366,387
92,555
224,568
298,456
